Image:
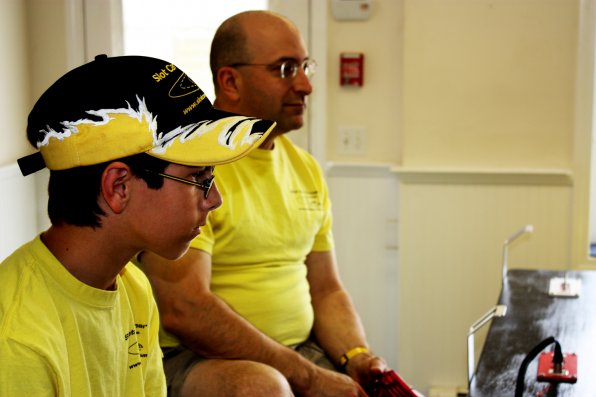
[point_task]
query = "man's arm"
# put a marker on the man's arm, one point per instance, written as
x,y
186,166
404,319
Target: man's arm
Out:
x,y
208,326
337,325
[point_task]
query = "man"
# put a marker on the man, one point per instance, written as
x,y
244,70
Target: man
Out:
x,y
259,292
130,143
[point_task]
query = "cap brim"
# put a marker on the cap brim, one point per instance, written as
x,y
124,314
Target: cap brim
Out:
x,y
222,138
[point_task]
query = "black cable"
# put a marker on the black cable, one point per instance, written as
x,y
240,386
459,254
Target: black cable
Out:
x,y
521,375
558,358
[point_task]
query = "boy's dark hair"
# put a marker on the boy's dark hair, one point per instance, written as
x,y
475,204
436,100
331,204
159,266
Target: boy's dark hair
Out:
x,y
73,193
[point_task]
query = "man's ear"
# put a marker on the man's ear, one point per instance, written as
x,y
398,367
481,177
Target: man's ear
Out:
x,y
229,81
115,186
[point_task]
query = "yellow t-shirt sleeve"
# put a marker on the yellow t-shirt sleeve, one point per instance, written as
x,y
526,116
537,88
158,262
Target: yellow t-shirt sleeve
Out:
x,y
324,238
23,372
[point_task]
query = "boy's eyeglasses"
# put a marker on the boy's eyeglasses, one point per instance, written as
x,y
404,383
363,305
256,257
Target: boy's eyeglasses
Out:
x,y
205,185
288,68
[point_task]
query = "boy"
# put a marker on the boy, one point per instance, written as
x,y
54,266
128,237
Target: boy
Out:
x,y
131,143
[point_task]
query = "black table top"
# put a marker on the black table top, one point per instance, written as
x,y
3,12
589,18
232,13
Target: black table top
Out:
x,y
532,316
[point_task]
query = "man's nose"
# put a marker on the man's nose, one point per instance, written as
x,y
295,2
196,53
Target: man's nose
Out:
x,y
302,82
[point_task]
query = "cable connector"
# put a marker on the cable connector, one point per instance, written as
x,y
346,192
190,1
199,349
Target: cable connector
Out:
x,y
556,367
553,366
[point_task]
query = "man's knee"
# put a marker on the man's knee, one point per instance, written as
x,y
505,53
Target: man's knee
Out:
x,y
232,378
260,380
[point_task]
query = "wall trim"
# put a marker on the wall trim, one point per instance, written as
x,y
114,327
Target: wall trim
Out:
x,y
456,176
522,176
346,169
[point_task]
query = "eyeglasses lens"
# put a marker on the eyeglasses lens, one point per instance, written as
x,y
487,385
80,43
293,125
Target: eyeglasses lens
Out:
x,y
289,69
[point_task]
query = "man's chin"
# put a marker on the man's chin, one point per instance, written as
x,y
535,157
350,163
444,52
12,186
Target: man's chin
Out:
x,y
294,124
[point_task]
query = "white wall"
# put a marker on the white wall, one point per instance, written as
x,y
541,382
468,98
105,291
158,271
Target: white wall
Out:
x,y
14,69
18,204
587,107
18,195
484,107
376,106
365,227
489,83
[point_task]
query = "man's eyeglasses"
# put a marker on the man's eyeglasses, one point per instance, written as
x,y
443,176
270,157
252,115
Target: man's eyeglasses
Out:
x,y
288,68
205,185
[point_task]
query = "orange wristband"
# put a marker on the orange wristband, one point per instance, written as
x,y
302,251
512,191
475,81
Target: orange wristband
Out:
x,y
345,358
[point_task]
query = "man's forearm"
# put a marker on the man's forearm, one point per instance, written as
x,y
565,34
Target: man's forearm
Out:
x,y
339,330
337,325
212,329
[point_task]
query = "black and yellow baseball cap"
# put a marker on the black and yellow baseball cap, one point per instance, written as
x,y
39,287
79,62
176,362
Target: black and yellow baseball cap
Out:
x,y
115,107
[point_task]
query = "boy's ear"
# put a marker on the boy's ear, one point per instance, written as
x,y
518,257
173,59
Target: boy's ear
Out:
x,y
229,81
115,186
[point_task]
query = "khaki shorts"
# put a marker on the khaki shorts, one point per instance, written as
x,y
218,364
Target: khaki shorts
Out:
x,y
178,361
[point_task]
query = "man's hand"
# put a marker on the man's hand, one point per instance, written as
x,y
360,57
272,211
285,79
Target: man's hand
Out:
x,y
326,383
365,368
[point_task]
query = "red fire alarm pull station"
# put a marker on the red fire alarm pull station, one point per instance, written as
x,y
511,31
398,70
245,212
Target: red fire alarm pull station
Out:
x,y
351,69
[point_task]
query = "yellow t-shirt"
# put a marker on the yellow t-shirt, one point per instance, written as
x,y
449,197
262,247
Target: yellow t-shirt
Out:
x,y
275,211
61,337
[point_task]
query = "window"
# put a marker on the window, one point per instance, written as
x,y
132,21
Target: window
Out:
x,y
180,31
